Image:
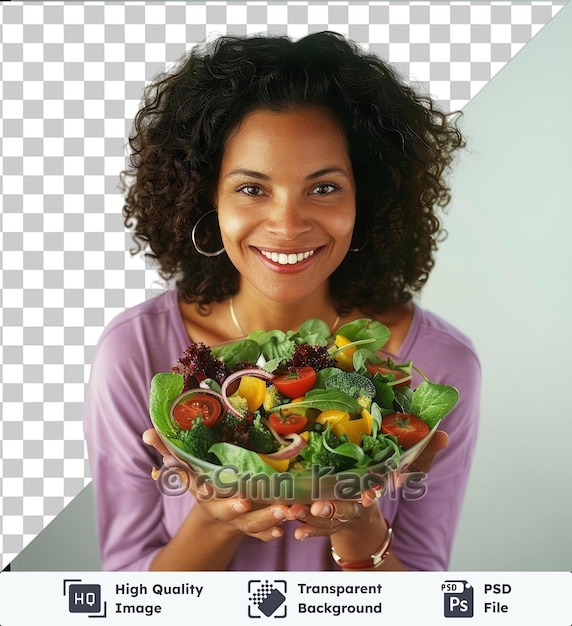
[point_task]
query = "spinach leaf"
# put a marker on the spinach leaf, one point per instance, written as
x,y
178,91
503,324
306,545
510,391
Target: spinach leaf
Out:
x,y
361,358
322,375
233,353
350,450
366,329
324,399
431,402
314,332
375,412
248,461
384,394
404,397
165,387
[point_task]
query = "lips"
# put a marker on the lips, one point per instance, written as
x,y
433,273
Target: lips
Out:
x,y
283,258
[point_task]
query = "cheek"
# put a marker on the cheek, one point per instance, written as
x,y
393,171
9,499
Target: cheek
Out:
x,y
343,223
232,227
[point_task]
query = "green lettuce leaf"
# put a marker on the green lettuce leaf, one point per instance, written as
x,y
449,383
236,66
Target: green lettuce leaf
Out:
x,y
165,387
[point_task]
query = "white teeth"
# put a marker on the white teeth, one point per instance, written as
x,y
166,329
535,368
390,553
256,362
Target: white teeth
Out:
x,y
287,259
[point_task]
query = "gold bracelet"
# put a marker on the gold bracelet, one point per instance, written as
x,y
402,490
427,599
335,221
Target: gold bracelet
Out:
x,y
374,560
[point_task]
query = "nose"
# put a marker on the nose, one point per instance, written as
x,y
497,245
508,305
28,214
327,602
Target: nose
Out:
x,y
289,216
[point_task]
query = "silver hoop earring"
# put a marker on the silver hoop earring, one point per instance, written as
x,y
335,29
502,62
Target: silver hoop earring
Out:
x,y
360,248
194,237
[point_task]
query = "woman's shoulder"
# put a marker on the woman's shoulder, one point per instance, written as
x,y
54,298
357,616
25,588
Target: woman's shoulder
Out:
x,y
435,339
147,331
152,315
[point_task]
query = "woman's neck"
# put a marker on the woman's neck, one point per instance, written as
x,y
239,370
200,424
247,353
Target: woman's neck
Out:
x,y
250,312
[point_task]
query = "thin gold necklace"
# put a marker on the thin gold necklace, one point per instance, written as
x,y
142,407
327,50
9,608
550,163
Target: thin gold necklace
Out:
x,y
243,333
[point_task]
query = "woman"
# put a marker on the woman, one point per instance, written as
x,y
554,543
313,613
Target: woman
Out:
x,y
279,181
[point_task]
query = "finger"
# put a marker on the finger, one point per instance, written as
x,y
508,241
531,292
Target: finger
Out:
x,y
368,497
264,523
151,438
339,511
438,442
325,518
298,512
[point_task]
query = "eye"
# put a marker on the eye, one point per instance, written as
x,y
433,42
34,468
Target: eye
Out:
x,y
250,190
324,189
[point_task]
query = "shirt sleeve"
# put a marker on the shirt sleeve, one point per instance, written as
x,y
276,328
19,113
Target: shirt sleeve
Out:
x,y
129,508
428,511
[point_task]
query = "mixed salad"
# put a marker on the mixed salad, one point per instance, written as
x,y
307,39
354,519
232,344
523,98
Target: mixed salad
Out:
x,y
285,401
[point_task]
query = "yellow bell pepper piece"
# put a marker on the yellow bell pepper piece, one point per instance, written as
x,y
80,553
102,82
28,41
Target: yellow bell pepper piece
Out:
x,y
345,358
369,419
340,423
252,389
280,465
354,429
331,417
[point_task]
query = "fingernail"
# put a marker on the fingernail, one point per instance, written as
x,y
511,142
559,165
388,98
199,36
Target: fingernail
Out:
x,y
276,533
239,507
302,514
279,514
326,510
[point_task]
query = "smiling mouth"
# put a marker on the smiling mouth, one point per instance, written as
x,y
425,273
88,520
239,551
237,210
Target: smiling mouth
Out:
x,y
287,259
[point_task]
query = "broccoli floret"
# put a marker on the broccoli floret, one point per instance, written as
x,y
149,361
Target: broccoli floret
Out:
x,y
260,439
233,429
355,385
317,453
239,403
370,445
378,448
272,398
197,440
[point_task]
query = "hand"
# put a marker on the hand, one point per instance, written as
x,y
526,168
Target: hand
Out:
x,y
238,514
327,517
438,442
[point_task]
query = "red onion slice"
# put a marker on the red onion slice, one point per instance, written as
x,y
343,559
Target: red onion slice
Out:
x,y
281,440
257,373
296,445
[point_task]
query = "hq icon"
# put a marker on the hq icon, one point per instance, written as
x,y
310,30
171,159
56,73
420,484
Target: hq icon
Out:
x,y
458,598
84,598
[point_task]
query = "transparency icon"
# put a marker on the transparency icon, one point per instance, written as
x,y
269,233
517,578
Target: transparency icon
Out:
x,y
267,598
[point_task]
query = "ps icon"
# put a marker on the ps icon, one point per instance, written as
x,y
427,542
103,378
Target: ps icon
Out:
x,y
458,598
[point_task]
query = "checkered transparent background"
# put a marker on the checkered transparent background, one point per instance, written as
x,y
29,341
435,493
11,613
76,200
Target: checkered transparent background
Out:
x,y
72,77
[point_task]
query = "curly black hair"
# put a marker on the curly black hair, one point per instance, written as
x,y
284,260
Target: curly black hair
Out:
x,y
400,147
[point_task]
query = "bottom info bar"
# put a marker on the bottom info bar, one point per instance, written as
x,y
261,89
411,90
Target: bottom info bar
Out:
x,y
300,597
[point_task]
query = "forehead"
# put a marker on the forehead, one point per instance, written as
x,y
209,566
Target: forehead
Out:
x,y
303,134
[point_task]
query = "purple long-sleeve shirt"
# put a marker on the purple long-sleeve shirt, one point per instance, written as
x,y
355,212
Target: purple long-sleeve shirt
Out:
x,y
135,521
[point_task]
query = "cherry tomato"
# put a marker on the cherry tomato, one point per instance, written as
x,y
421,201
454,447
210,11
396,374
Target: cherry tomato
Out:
x,y
287,424
409,429
203,405
377,368
297,382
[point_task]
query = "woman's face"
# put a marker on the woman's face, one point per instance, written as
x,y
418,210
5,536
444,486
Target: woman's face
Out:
x,y
286,201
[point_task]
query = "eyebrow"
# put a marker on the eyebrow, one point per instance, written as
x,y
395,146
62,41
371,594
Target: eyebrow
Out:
x,y
261,176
